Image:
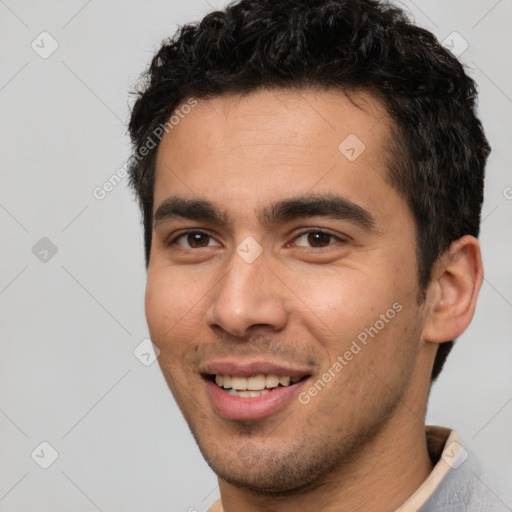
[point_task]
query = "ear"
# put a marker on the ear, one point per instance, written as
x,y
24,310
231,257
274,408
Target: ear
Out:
x,y
456,280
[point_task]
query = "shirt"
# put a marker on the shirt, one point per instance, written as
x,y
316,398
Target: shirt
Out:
x,y
453,485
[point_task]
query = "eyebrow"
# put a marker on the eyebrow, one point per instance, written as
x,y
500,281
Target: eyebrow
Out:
x,y
313,205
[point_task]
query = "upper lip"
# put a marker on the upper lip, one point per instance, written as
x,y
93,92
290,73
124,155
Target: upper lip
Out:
x,y
252,368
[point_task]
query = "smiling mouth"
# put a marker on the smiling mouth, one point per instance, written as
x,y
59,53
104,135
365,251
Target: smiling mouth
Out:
x,y
255,386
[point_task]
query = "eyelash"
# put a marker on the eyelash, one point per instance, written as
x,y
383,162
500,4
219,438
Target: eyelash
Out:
x,y
307,249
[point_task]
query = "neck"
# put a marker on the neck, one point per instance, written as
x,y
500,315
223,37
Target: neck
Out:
x,y
380,477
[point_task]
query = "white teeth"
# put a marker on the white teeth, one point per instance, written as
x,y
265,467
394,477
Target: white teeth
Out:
x,y
238,382
284,381
255,383
247,394
272,381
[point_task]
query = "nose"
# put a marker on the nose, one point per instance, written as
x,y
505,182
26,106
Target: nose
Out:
x,y
249,295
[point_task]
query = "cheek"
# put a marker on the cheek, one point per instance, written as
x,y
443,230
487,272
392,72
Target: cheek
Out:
x,y
371,307
159,305
173,310
343,302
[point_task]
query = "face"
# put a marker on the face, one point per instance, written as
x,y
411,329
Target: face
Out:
x,y
284,302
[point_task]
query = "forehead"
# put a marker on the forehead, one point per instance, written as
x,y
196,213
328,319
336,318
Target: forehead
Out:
x,y
237,149
279,117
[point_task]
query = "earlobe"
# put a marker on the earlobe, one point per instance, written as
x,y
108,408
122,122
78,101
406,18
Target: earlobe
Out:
x,y
453,291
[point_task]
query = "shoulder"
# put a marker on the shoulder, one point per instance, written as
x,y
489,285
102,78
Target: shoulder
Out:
x,y
464,488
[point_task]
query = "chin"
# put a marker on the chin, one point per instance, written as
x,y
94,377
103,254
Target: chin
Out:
x,y
271,472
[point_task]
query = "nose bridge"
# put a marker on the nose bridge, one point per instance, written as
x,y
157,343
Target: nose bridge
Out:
x,y
247,295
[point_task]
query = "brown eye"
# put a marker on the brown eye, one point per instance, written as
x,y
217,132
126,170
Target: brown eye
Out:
x,y
318,237
315,239
194,240
197,239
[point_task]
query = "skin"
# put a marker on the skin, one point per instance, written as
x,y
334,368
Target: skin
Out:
x,y
359,444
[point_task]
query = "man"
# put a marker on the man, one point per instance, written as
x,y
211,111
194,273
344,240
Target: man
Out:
x,y
310,175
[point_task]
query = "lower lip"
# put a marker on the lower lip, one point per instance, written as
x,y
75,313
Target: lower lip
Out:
x,y
251,408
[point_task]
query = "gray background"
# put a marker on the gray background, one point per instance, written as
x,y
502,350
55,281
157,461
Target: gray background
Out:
x,y
71,321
